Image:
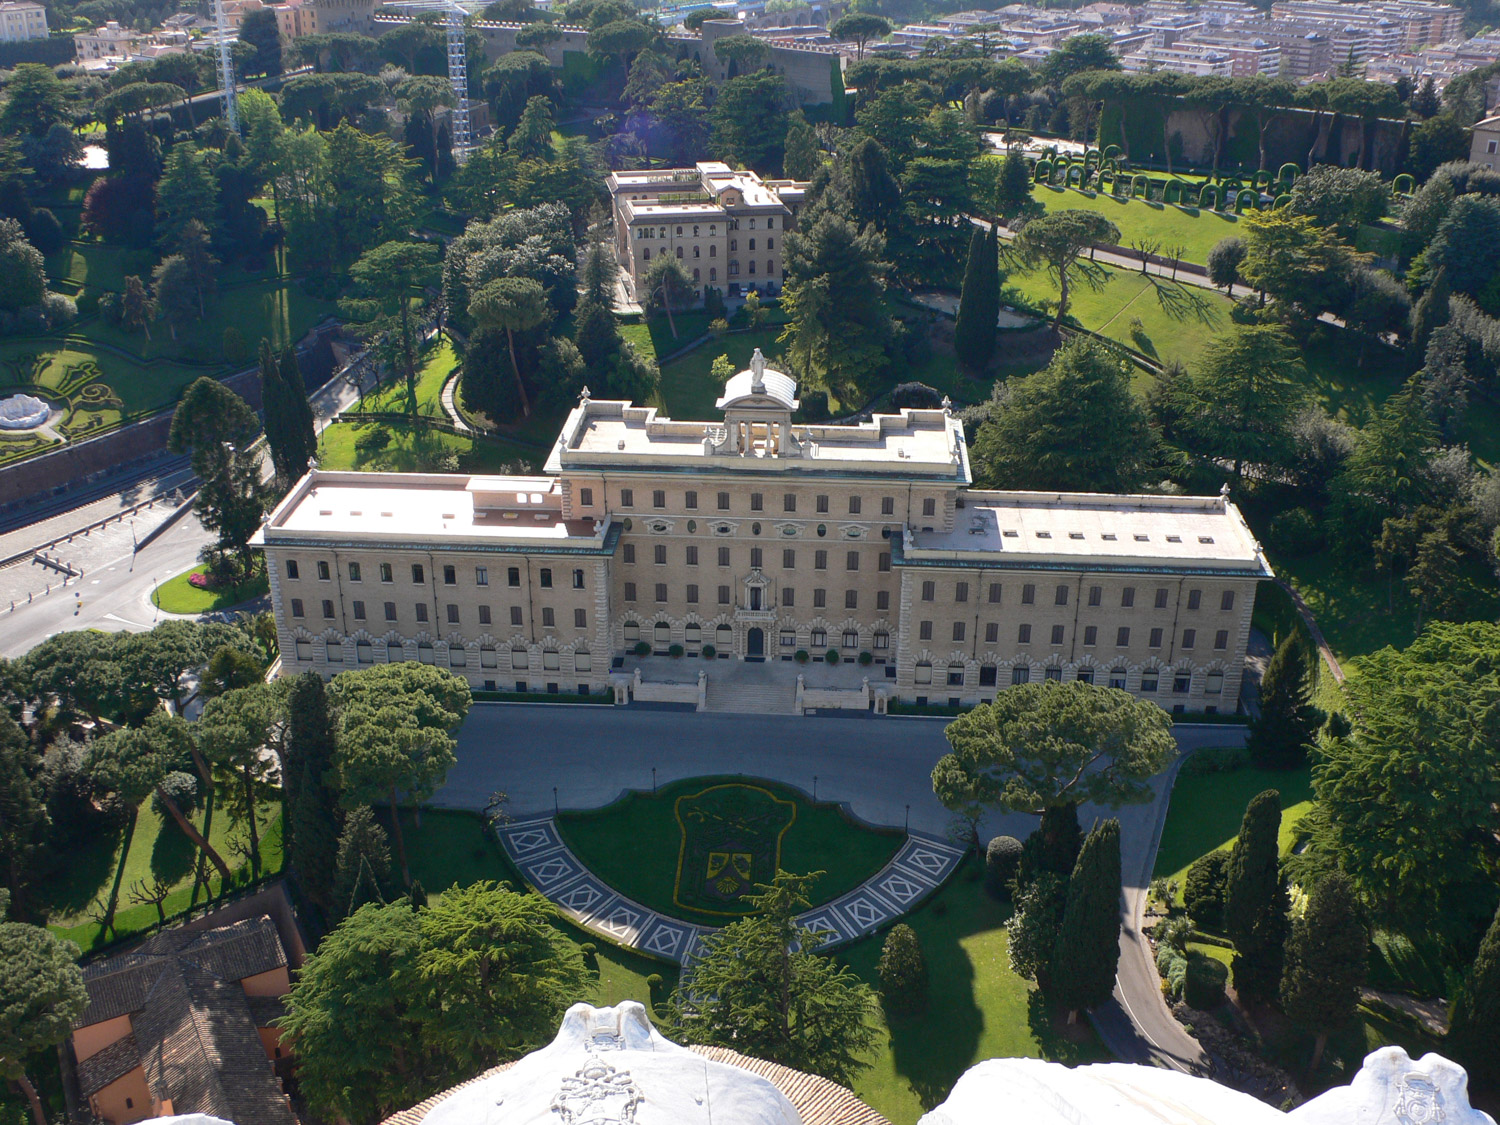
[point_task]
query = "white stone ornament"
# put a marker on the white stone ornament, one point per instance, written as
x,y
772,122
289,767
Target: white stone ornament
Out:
x,y
1392,1089
23,412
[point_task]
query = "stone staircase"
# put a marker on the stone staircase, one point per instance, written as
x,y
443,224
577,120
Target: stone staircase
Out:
x,y
750,696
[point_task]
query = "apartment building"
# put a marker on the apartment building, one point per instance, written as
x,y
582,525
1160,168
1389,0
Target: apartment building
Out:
x,y
21,20
108,42
752,538
727,228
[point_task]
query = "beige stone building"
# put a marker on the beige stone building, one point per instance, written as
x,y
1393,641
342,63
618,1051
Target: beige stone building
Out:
x,y
753,539
727,228
21,20
1484,145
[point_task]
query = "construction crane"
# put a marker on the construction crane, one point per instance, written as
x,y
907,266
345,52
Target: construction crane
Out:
x,y
454,17
226,69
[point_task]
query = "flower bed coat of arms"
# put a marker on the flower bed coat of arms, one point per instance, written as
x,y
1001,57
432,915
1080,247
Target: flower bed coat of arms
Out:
x,y
731,840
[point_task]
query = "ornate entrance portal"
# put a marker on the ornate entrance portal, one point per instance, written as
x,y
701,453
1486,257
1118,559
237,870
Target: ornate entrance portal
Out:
x,y
755,643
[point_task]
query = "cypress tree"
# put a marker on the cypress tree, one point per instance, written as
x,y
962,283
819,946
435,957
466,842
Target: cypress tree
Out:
x,y
1325,962
1013,192
903,971
277,412
1282,734
1472,1039
979,304
1255,900
311,805
1429,314
363,868
300,409
1088,944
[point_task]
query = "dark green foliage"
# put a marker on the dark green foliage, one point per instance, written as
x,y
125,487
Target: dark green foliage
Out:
x,y
362,868
1224,261
311,826
23,815
1013,190
903,971
259,30
216,427
1088,941
41,994
1203,983
1471,1038
1255,902
748,120
288,421
179,787
1429,314
1325,960
1002,860
1341,199
488,385
1283,733
1204,890
1034,928
979,304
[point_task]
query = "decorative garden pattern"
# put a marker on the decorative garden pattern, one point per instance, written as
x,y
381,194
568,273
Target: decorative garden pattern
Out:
x,y
731,840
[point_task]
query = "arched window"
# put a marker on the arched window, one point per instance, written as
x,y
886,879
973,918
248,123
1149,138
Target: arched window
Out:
x,y
520,658
882,640
820,638
646,254
582,661
551,661
632,632
662,633
752,244
752,267
924,672
693,634
723,636
695,232
713,251
695,275
679,230
679,253
713,273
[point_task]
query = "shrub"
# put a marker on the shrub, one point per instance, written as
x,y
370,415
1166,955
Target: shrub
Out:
x,y
903,970
182,787
655,982
1001,860
709,652
1173,934
718,326
866,658
833,656
87,302
1295,532
1203,893
800,656
372,440
109,307
44,231
1203,982
235,348
588,949
642,648
676,651
916,396
815,405
1216,759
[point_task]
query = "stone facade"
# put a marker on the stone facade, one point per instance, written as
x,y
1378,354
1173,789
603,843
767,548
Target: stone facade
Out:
x,y
764,539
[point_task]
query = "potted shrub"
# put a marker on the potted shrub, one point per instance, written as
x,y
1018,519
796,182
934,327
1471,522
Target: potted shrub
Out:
x,y
866,658
675,651
642,648
709,652
801,656
833,656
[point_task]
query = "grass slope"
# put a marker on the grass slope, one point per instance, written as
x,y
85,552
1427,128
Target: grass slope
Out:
x,y
435,365
1194,228
416,449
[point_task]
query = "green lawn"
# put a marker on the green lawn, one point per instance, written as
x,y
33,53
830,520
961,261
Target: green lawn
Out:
x,y
179,595
1206,810
687,389
418,449
820,838
1191,227
435,365
62,369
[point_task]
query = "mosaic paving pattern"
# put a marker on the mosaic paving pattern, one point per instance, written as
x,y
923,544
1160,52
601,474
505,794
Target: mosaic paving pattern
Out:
x,y
918,869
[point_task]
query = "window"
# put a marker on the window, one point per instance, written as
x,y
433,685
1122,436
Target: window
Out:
x,y
692,635
549,618
788,597
390,611
484,615
882,640
1149,679
545,574
359,611
296,607
987,675
1053,674
1096,595
751,271
883,562
422,611
632,632
692,593
820,598
354,572
452,614
418,575
820,560
851,562
1020,675
929,507
1085,675
958,630
627,498
1221,639
658,498
789,638
1161,597
854,505
515,613
820,638
929,591
723,556
887,505
450,576
1182,683
757,502
924,631
692,554
851,638
690,500
323,572
1215,683
578,580
788,559
513,576
327,609
659,552
994,593
661,591
586,497
883,599
481,576
291,569
851,599
723,595
1023,635
1127,597
629,552
723,501
1226,601
1057,634
756,558
1090,635
955,675
822,505
1061,596
1155,639
960,591
630,591
1028,594
924,672
789,502
992,633
752,241
385,573
1189,638
1122,636
1195,599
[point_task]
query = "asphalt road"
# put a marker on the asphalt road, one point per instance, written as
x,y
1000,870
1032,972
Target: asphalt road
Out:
x,y
582,757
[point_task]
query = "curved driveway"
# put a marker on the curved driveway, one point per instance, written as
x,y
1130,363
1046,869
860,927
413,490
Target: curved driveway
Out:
x,y
581,757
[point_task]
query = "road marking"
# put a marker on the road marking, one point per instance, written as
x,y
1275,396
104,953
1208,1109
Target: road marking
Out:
x,y
123,620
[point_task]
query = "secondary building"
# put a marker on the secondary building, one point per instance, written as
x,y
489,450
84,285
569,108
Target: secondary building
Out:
x,y
21,20
755,538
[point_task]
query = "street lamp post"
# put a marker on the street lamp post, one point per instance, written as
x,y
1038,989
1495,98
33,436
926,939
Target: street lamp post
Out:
x,y
554,800
815,787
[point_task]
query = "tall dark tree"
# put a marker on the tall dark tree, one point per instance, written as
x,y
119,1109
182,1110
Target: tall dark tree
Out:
x,y
874,193
1325,962
1284,731
216,426
23,813
979,303
1471,1036
41,994
1013,189
304,422
1429,314
1088,944
362,865
259,29
313,815
1255,904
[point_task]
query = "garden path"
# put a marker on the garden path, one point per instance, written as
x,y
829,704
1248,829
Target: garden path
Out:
x,y
921,866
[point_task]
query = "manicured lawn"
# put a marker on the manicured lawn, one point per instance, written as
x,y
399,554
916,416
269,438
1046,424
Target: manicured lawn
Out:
x,y
179,595
688,390
1206,810
434,367
127,387
977,1007
418,449
820,838
1192,227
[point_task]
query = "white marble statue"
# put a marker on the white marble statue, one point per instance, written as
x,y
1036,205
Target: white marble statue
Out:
x,y
22,412
609,1066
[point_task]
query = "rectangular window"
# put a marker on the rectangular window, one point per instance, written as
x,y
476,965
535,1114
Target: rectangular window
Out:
x,y
323,572
1057,634
390,611
1221,640
661,591
883,562
580,619
1161,597
627,498
1226,601
659,498
545,575
659,553
1096,595
1053,674
851,561
1182,683
586,497
1215,683
992,633
994,593
630,591
757,558
1189,638
820,560
692,554
1195,599
690,500
549,618
788,559
924,631
883,599
291,569
515,611
958,630
757,502
1028,594
1122,636
513,577
385,573
1061,596
692,593
1155,640
628,553
960,591
1020,675
854,505
1023,635
789,502
421,611
452,614
723,595
1090,635
481,576
788,597
929,507
578,580
418,575
887,505
354,572
723,556
822,505
296,607
484,615
820,598
450,576
851,599
929,591
327,609
723,501
1127,597
1149,680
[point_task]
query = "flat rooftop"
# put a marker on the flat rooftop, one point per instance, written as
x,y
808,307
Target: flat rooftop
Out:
x,y
1028,529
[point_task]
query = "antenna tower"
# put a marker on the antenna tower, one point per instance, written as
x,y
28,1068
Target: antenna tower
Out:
x,y
226,68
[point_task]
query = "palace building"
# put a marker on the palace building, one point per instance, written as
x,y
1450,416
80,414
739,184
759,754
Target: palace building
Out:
x,y
758,539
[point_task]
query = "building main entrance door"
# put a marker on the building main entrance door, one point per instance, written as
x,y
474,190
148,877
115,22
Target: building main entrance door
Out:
x,y
755,644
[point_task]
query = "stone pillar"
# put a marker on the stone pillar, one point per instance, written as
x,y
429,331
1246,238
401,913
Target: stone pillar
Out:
x,y
702,691
798,707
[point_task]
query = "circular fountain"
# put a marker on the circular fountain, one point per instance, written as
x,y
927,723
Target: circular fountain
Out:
x,y
23,412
